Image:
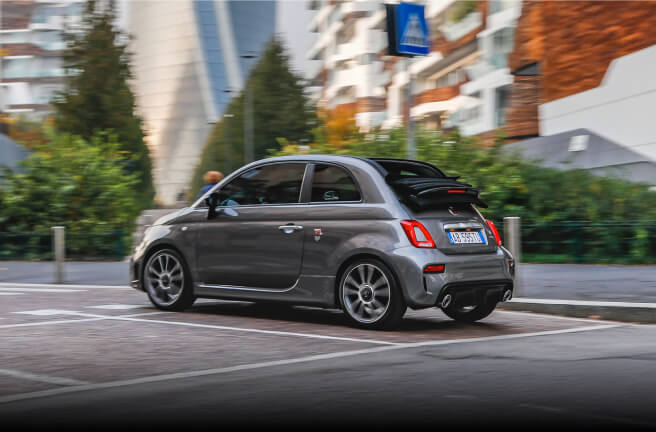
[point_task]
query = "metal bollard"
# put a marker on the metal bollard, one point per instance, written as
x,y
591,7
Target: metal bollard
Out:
x,y
59,248
513,241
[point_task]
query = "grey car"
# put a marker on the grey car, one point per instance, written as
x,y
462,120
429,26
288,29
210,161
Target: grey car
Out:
x,y
371,236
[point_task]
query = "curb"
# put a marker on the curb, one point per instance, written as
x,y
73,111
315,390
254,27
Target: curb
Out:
x,y
643,313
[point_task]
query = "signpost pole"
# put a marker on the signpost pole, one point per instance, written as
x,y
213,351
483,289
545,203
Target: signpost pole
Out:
x,y
412,146
407,36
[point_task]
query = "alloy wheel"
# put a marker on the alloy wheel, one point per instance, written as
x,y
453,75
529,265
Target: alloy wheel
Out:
x,y
164,278
366,293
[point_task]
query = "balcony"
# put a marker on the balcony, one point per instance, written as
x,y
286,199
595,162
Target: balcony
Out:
x,y
454,31
437,94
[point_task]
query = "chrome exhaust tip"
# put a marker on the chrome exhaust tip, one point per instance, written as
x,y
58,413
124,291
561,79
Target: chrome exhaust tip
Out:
x,y
507,295
446,301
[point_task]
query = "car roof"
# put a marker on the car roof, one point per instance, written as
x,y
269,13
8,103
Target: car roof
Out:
x,y
374,161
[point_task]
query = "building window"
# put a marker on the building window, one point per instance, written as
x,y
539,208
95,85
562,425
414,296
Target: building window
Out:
x,y
501,101
501,5
452,78
502,46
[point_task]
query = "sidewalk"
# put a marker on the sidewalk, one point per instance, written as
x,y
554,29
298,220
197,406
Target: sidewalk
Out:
x,y
76,273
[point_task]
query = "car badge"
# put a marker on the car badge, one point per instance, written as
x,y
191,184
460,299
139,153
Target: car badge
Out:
x,y
453,211
317,234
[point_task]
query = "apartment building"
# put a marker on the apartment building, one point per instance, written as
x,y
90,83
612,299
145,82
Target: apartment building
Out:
x,y
464,82
31,69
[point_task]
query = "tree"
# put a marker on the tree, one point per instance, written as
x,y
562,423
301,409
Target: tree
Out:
x,y
77,183
97,96
280,109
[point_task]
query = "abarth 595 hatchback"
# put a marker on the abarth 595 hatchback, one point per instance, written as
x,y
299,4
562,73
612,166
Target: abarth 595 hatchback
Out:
x,y
371,236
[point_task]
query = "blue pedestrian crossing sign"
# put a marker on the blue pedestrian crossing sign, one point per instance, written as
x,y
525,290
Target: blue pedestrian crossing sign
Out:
x,y
411,30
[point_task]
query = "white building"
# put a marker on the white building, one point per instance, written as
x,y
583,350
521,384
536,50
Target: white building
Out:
x,y
31,69
463,82
620,109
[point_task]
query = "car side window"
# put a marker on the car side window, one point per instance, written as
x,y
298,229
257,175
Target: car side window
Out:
x,y
333,184
268,184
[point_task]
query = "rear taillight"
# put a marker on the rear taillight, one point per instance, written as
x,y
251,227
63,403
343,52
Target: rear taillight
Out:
x,y
495,231
417,234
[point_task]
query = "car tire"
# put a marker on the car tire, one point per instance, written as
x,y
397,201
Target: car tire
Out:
x,y
167,282
370,296
462,314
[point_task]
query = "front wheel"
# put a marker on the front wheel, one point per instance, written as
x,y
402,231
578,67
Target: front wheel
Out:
x,y
167,281
370,296
469,314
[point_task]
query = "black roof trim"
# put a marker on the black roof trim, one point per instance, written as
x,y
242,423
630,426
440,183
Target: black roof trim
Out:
x,y
416,162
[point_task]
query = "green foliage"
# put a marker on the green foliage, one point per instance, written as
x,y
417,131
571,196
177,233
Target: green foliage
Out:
x,y
573,213
97,96
75,183
461,9
280,109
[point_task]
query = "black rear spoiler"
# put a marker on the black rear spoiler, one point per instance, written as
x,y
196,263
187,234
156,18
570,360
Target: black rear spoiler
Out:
x,y
423,193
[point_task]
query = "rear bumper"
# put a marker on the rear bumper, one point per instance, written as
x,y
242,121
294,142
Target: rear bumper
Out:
x,y
480,276
476,293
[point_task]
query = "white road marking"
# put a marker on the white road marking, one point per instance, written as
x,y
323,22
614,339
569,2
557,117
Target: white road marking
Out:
x,y
275,363
11,293
239,329
42,290
117,306
42,378
510,336
71,321
45,312
48,323
59,286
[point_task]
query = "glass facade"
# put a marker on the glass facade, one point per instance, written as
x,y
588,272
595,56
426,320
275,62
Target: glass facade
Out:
x,y
252,26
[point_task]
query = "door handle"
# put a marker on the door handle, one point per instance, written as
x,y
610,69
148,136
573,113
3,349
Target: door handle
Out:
x,y
288,229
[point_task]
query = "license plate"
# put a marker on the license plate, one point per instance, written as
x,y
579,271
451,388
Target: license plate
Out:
x,y
466,237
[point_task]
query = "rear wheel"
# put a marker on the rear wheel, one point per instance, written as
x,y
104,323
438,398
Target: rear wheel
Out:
x,y
370,296
469,314
167,281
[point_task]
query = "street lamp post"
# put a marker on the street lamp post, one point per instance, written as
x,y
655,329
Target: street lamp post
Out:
x,y
249,148
227,138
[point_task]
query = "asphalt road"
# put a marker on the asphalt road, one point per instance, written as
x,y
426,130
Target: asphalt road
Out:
x,y
553,281
89,356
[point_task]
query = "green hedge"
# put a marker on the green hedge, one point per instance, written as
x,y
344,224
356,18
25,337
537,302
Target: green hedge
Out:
x,y
72,182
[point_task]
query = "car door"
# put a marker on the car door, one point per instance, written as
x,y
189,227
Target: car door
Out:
x,y
335,214
254,240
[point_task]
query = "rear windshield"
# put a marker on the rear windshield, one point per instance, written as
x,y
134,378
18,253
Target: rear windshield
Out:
x,y
423,186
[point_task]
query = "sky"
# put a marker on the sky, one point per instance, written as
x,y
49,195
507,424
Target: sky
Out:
x,y
291,23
